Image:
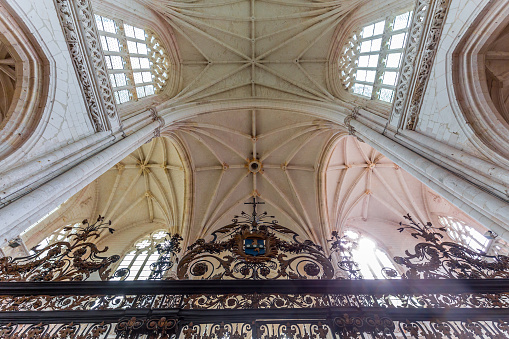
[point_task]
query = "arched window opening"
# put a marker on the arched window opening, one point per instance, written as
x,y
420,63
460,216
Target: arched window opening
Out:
x,y
464,234
371,259
142,255
371,59
7,81
62,234
136,62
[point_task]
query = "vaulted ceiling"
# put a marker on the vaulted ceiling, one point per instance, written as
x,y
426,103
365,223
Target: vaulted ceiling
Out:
x,y
308,172
248,48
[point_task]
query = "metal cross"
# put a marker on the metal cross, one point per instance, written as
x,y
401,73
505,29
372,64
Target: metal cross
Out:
x,y
254,203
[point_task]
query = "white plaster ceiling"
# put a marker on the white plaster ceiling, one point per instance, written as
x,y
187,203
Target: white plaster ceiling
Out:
x,y
247,48
309,177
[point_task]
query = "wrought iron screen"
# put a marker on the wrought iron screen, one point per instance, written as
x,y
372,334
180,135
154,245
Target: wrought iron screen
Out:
x,y
254,279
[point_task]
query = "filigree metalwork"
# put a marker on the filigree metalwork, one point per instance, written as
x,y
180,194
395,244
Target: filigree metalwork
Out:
x,y
435,259
292,330
342,246
255,301
160,327
48,331
217,331
252,247
378,326
74,260
167,251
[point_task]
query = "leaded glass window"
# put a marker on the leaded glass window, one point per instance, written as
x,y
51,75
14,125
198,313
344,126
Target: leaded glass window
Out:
x,y
371,259
142,255
371,59
136,62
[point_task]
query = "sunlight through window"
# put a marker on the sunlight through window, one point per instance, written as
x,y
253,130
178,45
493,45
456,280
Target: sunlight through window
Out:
x,y
373,58
135,60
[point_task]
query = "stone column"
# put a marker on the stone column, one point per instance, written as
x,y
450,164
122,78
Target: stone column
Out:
x,y
23,212
486,208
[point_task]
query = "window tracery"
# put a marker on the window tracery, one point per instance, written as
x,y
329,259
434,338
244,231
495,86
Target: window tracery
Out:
x,y
61,234
371,58
466,235
143,253
137,63
371,259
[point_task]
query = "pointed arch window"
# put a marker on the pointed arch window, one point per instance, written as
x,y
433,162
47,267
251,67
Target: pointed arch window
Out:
x,y
143,253
371,259
371,59
136,62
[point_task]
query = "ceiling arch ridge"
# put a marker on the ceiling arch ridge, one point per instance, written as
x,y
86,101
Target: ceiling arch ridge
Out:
x,y
286,178
247,48
325,224
333,112
377,189
151,183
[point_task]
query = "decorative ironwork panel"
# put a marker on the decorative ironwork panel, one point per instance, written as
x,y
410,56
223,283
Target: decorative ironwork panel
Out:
x,y
63,261
254,247
434,259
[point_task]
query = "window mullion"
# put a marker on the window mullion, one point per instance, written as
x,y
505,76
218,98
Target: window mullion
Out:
x,y
127,59
384,48
150,251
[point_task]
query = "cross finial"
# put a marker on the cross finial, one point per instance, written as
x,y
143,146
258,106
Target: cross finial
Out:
x,y
254,203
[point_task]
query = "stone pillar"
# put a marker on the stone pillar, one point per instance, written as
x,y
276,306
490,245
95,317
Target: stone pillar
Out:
x,y
21,213
486,208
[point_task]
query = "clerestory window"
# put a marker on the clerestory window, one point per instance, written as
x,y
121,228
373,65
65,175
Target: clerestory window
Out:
x,y
136,62
371,259
372,58
142,255
464,234
60,235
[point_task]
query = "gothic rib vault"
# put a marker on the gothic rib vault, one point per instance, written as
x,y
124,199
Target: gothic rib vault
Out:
x,y
308,174
247,48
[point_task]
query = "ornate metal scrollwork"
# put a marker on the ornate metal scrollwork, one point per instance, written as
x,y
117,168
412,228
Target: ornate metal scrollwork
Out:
x,y
162,327
378,326
342,246
167,251
70,260
252,247
434,259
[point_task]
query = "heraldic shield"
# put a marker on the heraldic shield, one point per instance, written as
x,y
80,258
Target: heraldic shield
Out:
x,y
254,246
